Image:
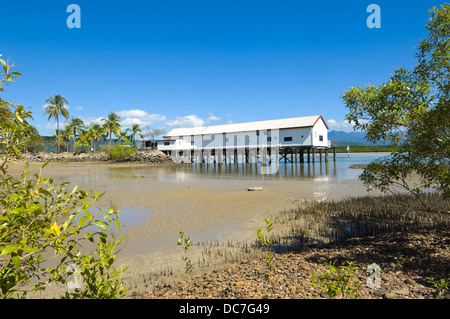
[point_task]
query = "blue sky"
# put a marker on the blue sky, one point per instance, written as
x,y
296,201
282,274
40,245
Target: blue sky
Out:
x,y
168,63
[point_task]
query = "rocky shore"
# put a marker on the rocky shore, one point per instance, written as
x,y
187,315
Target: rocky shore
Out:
x,y
146,157
413,266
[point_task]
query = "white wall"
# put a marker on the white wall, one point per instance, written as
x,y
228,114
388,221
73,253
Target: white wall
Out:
x,y
300,137
320,130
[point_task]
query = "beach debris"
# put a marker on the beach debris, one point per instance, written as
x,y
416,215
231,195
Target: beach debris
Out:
x,y
255,188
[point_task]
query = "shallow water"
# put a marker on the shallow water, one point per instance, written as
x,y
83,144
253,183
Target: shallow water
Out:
x,y
324,171
209,201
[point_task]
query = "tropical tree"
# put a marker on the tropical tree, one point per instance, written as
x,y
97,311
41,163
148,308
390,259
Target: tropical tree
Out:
x,y
123,135
136,131
95,133
75,125
55,109
61,137
35,142
412,112
112,125
14,132
84,140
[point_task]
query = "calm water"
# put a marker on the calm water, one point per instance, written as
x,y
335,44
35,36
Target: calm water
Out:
x,y
324,171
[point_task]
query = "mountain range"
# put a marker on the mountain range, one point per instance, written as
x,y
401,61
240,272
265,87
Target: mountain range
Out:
x,y
349,138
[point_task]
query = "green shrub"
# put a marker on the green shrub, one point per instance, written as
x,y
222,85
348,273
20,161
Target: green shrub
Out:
x,y
42,222
122,151
339,281
48,233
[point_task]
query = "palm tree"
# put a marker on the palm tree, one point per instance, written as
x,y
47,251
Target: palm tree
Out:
x,y
135,132
62,137
55,109
112,125
84,140
75,125
123,136
95,133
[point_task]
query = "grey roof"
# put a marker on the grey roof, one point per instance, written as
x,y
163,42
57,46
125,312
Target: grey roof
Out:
x,y
295,122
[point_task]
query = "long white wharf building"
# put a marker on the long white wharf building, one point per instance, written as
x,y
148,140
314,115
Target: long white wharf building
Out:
x,y
288,136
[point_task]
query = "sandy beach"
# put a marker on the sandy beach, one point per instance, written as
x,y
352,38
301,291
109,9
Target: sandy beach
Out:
x,y
155,201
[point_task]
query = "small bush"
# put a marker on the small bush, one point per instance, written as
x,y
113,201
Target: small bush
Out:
x,y
122,151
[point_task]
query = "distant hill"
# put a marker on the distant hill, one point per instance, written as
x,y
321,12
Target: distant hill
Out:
x,y
350,138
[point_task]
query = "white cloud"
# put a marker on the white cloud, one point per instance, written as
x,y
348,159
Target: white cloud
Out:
x,y
79,108
192,121
213,118
186,121
339,126
87,120
143,118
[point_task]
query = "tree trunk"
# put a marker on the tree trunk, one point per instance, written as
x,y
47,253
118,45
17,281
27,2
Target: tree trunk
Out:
x,y
57,126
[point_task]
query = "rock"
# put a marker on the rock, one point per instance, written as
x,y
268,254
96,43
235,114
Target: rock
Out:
x,y
403,291
390,295
152,156
253,189
380,292
306,267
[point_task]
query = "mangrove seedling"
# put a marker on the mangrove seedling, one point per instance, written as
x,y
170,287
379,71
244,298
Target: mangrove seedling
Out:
x,y
185,242
265,242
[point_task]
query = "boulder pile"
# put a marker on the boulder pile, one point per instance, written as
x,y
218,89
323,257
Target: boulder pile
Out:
x,y
153,156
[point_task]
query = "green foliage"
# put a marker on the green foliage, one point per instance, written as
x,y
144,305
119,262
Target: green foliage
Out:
x,y
185,242
47,231
16,133
95,133
74,126
41,219
265,242
410,111
8,74
339,281
440,284
55,109
112,125
122,151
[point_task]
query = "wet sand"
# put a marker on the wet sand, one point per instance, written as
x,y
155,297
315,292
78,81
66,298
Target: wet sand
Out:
x,y
154,205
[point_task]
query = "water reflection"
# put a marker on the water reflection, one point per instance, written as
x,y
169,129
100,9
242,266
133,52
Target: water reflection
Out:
x,y
324,171
319,170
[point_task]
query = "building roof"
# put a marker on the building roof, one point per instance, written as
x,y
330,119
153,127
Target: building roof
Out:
x,y
295,122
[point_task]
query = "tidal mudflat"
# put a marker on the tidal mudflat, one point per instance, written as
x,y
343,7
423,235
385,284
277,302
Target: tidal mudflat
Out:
x,y
210,203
